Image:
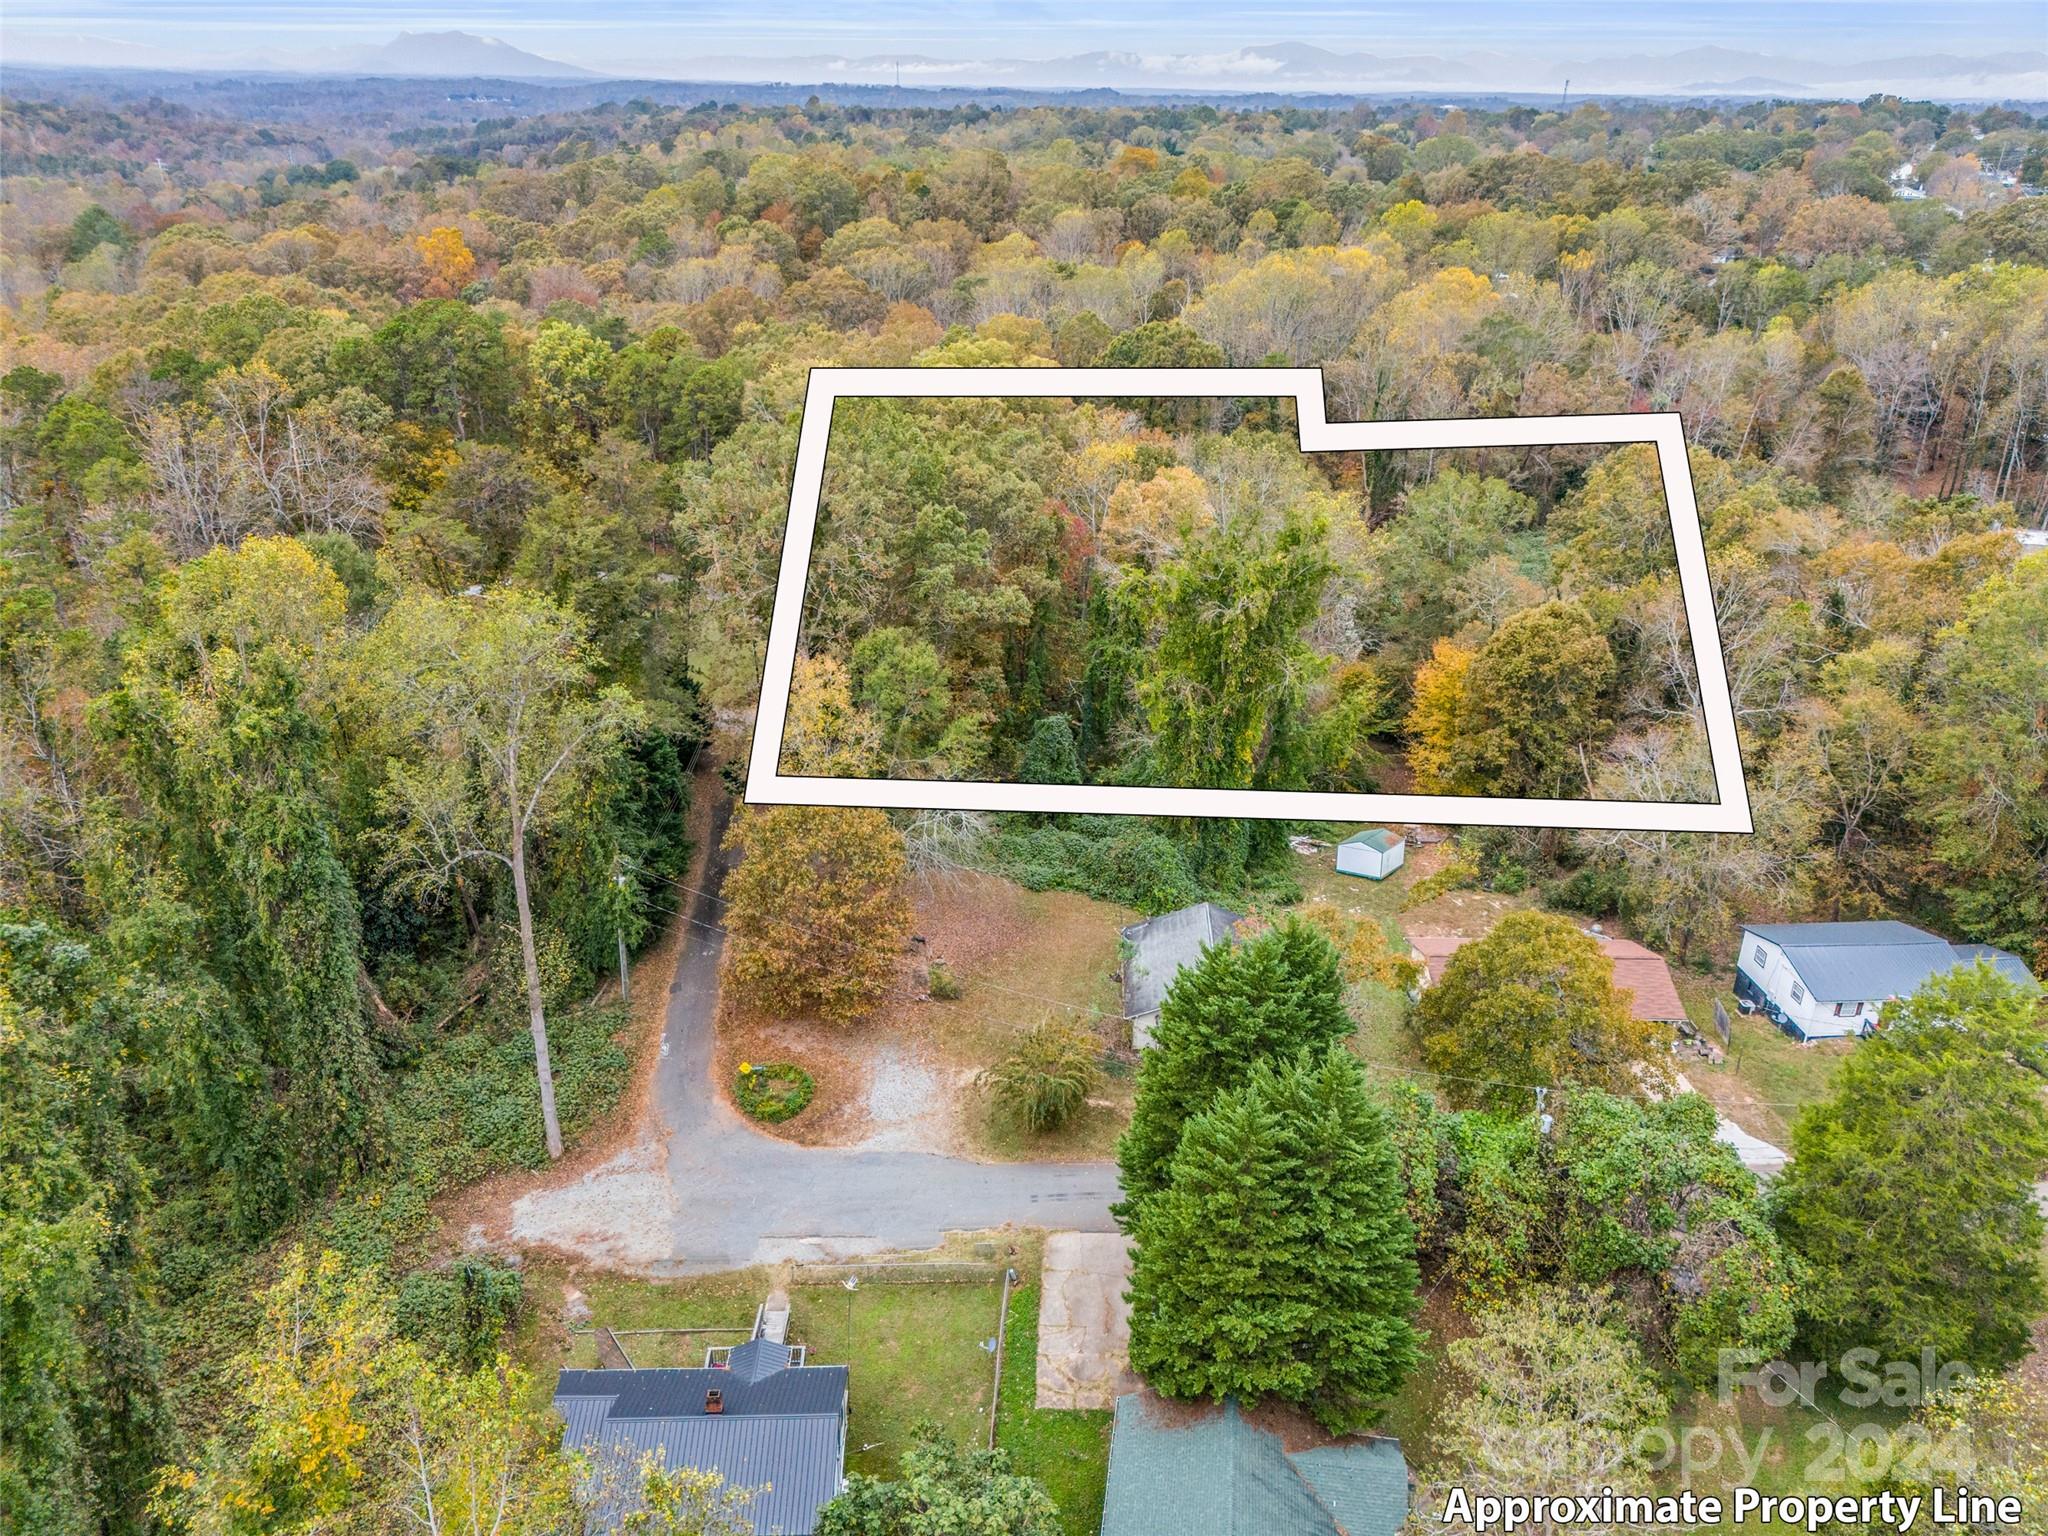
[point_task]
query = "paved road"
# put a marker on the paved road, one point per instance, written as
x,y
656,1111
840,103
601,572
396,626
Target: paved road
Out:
x,y
742,1197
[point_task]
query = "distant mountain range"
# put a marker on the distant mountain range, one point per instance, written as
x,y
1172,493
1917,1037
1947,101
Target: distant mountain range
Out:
x,y
446,55
1270,67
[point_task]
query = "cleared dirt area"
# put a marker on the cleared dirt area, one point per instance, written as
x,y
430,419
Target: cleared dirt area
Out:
x,y
904,1077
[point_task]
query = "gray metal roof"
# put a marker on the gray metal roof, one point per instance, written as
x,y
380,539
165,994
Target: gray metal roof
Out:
x,y
1162,946
1203,1471
2003,961
781,1433
656,1394
1873,960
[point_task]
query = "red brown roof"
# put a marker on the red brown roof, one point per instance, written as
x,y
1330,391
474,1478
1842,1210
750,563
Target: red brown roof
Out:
x,y
1638,971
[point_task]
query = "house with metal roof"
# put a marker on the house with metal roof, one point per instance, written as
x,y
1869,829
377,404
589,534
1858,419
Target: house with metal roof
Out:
x,y
760,1421
1374,853
1820,981
1159,949
1177,1469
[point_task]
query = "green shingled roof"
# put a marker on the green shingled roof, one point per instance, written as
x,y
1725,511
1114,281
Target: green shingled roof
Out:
x,y
1378,838
1178,1471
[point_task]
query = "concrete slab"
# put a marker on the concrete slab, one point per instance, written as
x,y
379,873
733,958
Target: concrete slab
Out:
x,y
1084,1325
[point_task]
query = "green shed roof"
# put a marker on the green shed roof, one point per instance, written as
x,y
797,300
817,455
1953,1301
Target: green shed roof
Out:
x,y
1178,1471
1377,838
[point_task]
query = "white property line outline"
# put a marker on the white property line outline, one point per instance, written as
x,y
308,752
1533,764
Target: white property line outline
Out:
x,y
768,785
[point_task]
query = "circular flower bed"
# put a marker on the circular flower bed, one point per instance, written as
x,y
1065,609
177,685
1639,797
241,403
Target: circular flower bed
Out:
x,y
772,1091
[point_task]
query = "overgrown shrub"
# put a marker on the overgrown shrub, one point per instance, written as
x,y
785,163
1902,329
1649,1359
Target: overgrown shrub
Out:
x,y
772,1091
941,981
1099,857
460,1313
1048,1077
1594,891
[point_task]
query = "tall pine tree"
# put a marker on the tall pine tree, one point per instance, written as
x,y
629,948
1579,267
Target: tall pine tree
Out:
x,y
1279,1259
1264,1000
1910,1193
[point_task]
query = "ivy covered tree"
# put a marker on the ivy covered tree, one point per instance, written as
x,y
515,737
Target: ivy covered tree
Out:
x,y
240,901
82,1425
1910,1193
1265,1000
1278,1260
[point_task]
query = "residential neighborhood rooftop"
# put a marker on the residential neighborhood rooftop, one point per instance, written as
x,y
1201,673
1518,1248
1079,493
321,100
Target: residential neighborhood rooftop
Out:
x,y
1206,1471
777,1428
1640,972
1162,946
1876,958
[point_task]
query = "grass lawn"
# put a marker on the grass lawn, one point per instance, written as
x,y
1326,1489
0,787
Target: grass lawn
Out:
x,y
1768,1074
1066,1449
915,1349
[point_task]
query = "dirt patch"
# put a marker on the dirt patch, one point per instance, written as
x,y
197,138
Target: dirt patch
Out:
x,y
833,1054
620,1213
903,1077
1468,914
876,1088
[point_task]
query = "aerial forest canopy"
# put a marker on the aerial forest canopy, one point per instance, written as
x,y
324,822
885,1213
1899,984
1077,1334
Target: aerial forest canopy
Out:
x,y
1210,608
390,511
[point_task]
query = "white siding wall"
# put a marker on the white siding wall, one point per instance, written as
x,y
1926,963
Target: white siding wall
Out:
x,y
1360,859
1768,968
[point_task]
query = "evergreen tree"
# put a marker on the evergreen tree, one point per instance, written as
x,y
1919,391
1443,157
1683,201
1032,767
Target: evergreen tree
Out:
x,y
1910,1194
1279,1260
1264,1000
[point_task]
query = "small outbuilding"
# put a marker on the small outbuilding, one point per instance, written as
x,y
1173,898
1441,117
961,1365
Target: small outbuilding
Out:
x,y
1159,949
1374,853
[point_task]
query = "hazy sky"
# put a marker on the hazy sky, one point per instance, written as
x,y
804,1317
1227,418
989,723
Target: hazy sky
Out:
x,y
606,32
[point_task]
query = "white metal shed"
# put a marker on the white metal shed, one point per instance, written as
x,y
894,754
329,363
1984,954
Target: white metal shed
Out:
x,y
1374,853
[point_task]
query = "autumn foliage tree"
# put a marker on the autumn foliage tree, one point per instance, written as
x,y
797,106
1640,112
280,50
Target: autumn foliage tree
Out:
x,y
447,257
816,912
1533,1004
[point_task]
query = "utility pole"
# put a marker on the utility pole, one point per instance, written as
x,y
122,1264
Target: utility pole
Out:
x,y
621,883
1565,95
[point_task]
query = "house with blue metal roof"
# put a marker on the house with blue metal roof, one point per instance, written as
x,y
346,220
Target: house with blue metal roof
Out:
x,y
761,1421
1177,1469
1820,981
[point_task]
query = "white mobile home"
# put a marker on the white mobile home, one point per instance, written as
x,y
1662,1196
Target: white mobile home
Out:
x,y
1374,853
1821,981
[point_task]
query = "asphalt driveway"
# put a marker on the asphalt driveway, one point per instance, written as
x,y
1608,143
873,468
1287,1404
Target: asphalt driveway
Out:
x,y
739,1197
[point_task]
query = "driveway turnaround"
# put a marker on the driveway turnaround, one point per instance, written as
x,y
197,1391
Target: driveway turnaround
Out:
x,y
733,1196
